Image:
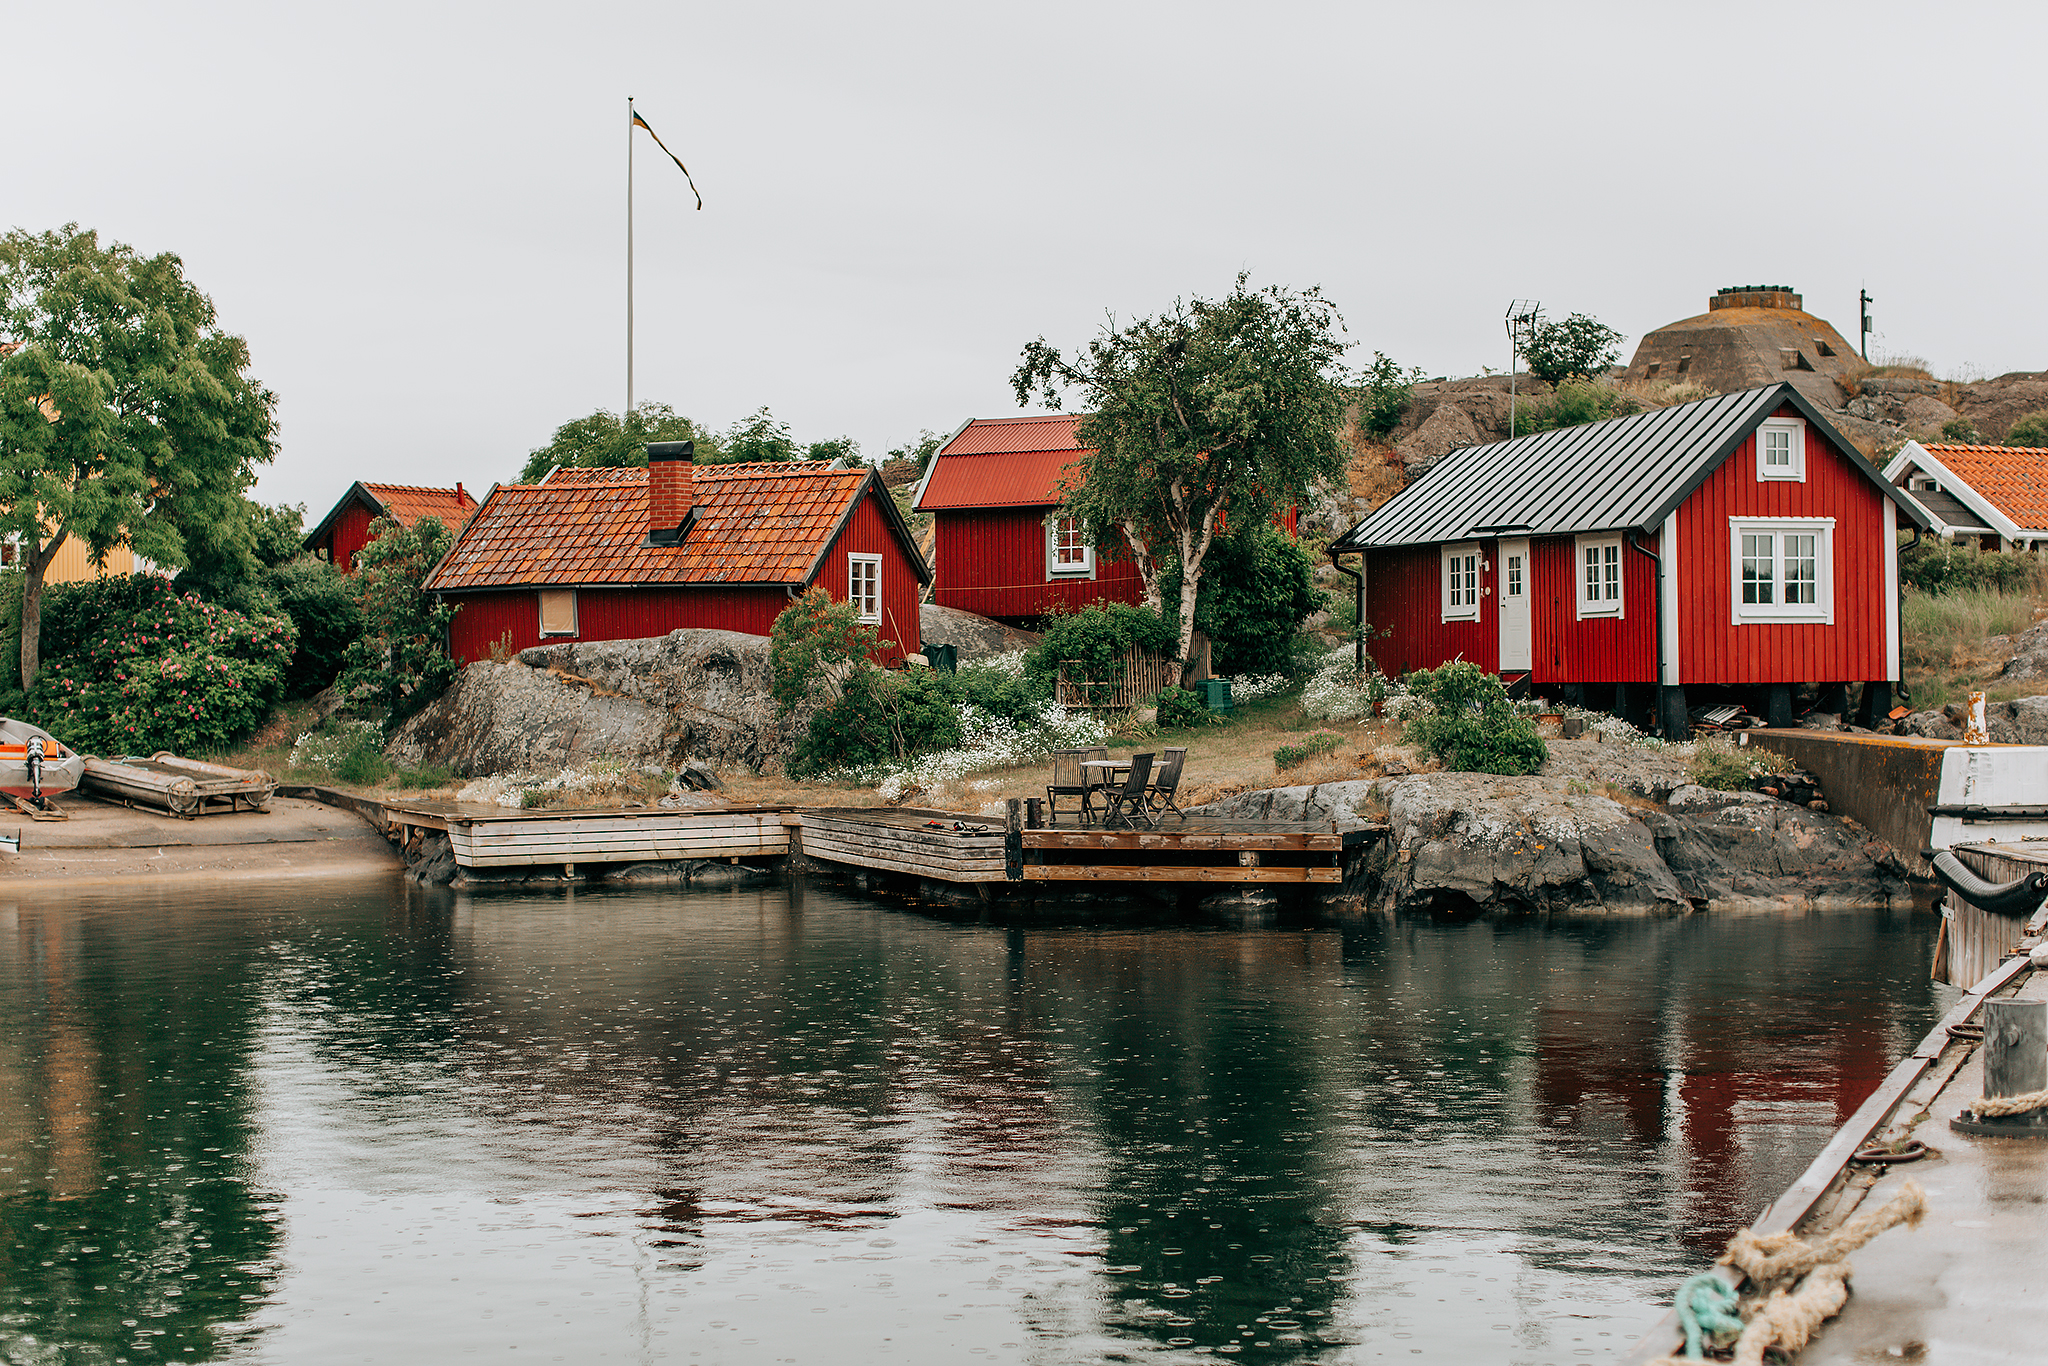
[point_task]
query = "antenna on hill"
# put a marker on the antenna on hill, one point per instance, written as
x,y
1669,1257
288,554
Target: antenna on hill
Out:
x,y
1522,317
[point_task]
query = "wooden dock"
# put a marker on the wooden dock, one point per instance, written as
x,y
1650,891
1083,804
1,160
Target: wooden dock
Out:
x,y
939,846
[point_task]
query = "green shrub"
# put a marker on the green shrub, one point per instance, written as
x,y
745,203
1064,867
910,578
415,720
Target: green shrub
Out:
x,y
1258,586
1961,430
1322,742
1097,638
1470,727
400,661
364,766
1575,402
2030,429
812,639
1577,347
1383,395
420,779
878,717
1183,709
1935,566
321,602
1718,764
130,666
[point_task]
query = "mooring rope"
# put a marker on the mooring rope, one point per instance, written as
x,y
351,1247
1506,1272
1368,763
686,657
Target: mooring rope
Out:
x,y
2026,1102
1787,1315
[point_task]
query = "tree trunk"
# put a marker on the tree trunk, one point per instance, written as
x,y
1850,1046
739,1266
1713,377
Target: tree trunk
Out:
x,y
34,567
31,625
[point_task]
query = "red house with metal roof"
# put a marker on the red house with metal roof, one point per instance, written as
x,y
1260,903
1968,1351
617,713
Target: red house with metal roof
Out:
x,y
1737,544
1001,548
345,530
617,554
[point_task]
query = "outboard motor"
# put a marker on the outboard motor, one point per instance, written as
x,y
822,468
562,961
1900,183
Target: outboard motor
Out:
x,y
35,769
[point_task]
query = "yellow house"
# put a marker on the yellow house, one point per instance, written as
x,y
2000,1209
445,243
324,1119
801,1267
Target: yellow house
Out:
x,y
73,563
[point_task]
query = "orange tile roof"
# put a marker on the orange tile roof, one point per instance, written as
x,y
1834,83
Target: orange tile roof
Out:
x,y
2013,479
756,523
407,503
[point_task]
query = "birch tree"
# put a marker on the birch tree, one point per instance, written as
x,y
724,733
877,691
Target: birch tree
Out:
x,y
1213,414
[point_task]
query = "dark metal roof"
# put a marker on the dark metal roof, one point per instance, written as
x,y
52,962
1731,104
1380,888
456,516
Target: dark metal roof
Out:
x,y
1947,510
1627,473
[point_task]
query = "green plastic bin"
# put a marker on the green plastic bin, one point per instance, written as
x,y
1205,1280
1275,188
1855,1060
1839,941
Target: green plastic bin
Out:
x,y
944,658
1215,694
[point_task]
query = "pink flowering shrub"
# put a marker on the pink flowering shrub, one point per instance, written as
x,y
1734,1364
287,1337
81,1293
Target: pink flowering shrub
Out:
x,y
131,667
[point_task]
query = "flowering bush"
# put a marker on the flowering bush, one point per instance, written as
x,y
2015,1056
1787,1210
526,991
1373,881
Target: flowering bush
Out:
x,y
595,781
1251,687
131,666
327,750
987,741
1338,692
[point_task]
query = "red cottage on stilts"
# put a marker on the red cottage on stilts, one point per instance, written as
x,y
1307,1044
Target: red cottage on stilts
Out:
x,y
1737,546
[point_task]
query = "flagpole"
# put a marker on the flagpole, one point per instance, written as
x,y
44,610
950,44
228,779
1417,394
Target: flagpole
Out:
x,y
627,416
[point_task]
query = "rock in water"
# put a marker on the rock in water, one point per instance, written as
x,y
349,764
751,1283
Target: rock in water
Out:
x,y
692,694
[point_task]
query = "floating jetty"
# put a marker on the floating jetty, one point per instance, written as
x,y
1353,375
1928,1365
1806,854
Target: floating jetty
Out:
x,y
932,846
180,787
1955,1287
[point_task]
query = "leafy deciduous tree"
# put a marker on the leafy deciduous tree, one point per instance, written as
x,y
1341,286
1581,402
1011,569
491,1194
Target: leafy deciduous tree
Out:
x,y
400,662
1214,411
601,440
1579,347
126,413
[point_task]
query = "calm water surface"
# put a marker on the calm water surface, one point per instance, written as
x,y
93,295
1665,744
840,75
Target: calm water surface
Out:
x,y
287,1124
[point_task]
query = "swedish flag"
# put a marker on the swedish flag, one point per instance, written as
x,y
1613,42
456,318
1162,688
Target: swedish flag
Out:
x,y
642,123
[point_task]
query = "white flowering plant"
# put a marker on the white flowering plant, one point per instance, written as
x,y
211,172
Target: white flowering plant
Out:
x,y
987,742
1339,692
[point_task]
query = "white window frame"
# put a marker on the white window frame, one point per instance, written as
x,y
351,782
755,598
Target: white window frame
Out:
x,y
1460,602
1611,589
541,610
1084,568
869,603
1821,610
1795,430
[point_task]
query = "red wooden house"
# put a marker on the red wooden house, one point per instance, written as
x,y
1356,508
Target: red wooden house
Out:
x,y
345,530
1737,545
615,554
1001,548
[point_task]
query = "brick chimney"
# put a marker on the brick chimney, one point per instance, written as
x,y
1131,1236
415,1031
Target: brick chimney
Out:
x,y
671,490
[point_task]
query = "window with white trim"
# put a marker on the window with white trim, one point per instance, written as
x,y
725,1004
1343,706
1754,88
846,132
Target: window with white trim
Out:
x,y
1459,575
1514,575
1067,550
1782,569
1599,576
864,585
1781,449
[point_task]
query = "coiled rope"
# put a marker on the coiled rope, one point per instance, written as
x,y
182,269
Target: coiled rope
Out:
x,y
1802,1284
1997,1107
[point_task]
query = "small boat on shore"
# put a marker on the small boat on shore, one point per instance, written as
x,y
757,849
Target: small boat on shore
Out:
x,y
34,763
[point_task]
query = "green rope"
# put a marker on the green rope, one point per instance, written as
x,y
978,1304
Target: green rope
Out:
x,y
1706,1304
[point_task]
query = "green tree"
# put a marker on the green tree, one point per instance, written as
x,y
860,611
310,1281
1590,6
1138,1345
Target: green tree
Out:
x,y
813,643
1382,395
126,412
1470,726
601,441
1259,589
2031,429
1214,411
759,436
1578,347
918,452
400,662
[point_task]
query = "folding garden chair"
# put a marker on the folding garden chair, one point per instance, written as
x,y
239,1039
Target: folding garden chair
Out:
x,y
1069,779
1129,800
1159,797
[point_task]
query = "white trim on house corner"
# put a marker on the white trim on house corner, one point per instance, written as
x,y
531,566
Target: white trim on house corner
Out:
x,y
1778,612
1459,600
1607,594
1891,594
1794,470
1667,548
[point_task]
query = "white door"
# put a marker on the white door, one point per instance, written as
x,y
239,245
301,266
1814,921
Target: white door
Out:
x,y
1514,606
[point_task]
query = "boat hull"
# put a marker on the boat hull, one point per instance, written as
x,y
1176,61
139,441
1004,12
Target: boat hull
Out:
x,y
61,765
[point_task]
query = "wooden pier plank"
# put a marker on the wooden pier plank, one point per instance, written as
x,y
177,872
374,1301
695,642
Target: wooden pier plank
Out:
x,y
1174,839
1098,872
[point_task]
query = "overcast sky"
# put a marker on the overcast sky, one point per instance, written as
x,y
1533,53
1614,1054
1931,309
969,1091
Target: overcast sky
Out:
x,y
416,212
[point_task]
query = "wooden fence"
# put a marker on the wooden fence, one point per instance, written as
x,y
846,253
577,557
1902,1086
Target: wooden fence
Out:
x,y
1134,680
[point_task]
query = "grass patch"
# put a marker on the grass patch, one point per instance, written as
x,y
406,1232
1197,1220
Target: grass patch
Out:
x,y
1292,756
1719,764
1942,642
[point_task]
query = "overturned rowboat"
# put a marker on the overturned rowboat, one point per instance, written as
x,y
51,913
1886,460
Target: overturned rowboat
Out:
x,y
34,764
180,787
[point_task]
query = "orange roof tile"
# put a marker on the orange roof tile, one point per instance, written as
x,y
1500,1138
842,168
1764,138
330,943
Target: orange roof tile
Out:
x,y
2013,479
756,523
407,503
